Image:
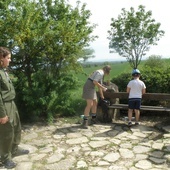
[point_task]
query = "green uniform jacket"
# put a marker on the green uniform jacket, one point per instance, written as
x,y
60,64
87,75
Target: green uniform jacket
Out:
x,y
7,92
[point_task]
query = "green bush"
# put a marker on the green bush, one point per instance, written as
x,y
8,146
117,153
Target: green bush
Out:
x,y
154,61
121,81
157,80
47,98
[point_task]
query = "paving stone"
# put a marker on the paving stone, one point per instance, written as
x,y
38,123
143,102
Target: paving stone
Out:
x,y
141,149
24,166
126,153
65,146
81,164
115,167
143,164
166,128
103,163
157,160
139,157
30,136
167,157
157,146
115,141
98,144
139,134
74,135
77,140
156,154
97,153
126,145
54,158
39,157
46,150
112,157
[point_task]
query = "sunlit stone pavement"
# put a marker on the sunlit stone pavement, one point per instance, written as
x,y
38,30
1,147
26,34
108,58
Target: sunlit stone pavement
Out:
x,y
114,146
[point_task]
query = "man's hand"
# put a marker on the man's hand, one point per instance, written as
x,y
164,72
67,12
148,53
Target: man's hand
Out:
x,y
104,89
4,120
102,97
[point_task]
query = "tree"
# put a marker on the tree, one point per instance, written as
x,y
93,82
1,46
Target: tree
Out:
x,y
154,61
132,34
48,33
87,53
46,38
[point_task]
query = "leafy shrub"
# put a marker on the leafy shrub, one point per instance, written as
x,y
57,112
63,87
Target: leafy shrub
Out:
x,y
154,61
156,79
46,97
121,81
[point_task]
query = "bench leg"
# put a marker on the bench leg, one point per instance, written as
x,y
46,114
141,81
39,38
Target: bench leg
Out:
x,y
99,114
114,114
104,115
110,116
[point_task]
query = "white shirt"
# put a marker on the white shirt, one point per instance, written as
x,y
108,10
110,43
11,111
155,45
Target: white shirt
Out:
x,y
136,86
97,76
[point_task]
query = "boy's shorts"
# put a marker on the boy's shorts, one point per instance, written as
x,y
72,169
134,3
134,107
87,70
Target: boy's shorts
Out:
x,y
134,103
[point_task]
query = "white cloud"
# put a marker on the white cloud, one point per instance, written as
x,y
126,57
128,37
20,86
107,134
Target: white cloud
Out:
x,y
102,12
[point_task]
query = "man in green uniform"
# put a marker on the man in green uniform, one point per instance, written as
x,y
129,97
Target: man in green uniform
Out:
x,y
10,126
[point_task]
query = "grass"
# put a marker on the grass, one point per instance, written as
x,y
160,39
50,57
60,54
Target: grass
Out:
x,y
117,68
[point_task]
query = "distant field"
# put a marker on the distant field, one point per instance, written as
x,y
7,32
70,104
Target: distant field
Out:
x,y
117,69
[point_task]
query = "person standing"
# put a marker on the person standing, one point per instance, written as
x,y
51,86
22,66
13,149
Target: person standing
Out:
x,y
136,88
90,95
10,126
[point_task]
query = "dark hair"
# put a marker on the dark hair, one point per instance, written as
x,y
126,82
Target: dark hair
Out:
x,y
4,52
136,75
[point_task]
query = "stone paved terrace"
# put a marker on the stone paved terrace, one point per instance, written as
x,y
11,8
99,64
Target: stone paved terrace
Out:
x,y
114,146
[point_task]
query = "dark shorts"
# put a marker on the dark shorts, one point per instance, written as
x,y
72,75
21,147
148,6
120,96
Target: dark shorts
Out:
x,y
134,103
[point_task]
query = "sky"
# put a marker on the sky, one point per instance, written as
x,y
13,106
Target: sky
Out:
x,y
103,10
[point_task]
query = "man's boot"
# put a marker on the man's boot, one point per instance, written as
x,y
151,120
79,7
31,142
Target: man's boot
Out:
x,y
93,119
17,151
9,164
85,123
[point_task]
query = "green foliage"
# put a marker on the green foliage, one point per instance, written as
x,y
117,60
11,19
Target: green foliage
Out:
x,y
87,53
48,97
155,61
121,81
157,79
132,34
47,39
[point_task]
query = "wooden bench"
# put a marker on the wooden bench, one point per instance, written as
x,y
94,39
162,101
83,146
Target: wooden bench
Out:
x,y
162,98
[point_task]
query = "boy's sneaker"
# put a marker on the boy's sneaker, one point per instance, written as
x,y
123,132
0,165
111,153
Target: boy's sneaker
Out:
x,y
129,123
136,123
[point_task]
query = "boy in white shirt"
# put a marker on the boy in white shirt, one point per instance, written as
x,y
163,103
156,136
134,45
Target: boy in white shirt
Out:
x,y
136,88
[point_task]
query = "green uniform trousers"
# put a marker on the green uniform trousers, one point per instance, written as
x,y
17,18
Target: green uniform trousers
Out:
x,y
10,133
